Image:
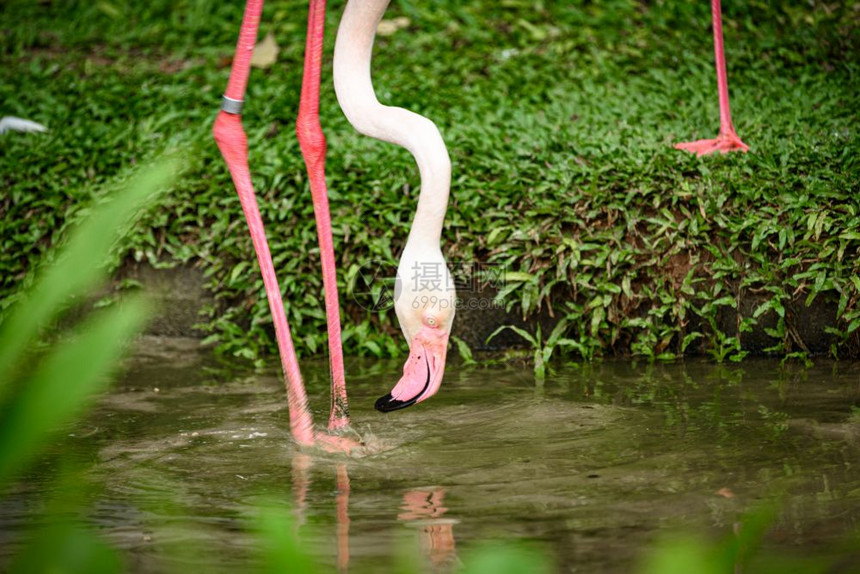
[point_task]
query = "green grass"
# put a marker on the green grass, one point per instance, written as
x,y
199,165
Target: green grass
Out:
x,y
559,117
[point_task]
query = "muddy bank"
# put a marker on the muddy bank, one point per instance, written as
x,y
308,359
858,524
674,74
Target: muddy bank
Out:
x,y
181,295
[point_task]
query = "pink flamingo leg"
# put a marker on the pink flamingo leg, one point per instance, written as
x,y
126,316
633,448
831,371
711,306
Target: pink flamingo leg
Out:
x,y
313,146
233,143
728,139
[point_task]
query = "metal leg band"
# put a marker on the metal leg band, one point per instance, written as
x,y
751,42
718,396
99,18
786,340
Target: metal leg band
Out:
x,y
232,106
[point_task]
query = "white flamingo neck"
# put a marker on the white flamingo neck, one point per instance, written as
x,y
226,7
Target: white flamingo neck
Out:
x,y
354,89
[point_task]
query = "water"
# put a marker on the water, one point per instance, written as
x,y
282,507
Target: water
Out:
x,y
591,466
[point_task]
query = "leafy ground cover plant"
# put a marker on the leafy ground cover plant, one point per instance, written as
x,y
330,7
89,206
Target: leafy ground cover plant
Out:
x,y
560,118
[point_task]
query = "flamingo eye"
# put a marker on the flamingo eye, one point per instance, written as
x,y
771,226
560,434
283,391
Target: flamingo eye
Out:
x,y
431,321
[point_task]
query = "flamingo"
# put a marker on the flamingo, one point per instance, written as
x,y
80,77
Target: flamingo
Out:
x,y
728,139
424,296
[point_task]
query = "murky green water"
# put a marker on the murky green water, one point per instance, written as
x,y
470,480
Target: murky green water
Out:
x,y
593,466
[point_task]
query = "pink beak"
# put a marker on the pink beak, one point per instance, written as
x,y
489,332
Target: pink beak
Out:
x,y
422,373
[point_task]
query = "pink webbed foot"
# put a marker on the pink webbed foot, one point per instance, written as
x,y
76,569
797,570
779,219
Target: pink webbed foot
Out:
x,y
723,143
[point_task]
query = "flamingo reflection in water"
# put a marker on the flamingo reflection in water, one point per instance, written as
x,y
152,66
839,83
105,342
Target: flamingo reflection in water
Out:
x,y
422,509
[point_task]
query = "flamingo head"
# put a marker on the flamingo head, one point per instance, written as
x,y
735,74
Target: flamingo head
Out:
x,y
422,373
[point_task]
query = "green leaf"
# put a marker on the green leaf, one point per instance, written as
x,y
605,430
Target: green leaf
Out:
x,y
464,351
521,332
237,270
373,347
778,306
597,317
763,308
626,288
281,551
64,383
518,276
689,338
78,267
540,366
496,235
682,555
67,547
557,332
508,559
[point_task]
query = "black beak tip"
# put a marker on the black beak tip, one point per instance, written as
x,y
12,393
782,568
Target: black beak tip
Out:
x,y
388,403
